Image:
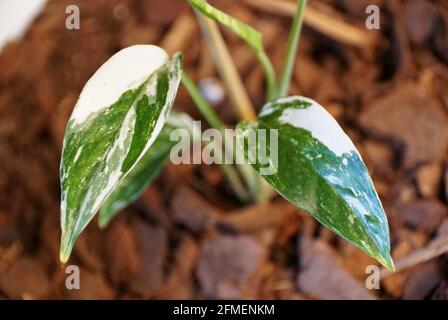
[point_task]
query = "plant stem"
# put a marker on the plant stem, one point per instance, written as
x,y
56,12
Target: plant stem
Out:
x,y
203,106
212,118
293,42
235,89
226,67
234,180
248,34
269,74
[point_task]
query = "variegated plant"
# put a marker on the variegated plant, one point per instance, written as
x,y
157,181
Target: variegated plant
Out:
x,y
118,139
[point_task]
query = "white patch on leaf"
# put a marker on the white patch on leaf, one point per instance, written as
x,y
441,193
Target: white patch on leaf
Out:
x,y
78,154
125,70
318,122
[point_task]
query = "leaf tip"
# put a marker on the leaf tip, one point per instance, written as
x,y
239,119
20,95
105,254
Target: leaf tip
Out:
x,y
67,242
63,257
64,253
387,261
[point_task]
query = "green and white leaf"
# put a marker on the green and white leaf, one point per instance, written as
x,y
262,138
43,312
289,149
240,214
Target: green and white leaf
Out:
x,y
145,171
135,182
319,170
119,114
250,35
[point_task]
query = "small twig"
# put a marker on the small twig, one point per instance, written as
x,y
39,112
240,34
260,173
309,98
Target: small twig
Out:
x,y
179,36
434,249
257,217
330,23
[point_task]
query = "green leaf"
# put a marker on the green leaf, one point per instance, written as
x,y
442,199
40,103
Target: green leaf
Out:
x,y
117,118
144,172
247,33
319,170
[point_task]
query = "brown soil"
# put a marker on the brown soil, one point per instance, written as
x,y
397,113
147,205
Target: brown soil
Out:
x,y
188,237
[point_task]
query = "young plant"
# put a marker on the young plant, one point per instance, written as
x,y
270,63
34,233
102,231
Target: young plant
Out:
x,y
118,139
